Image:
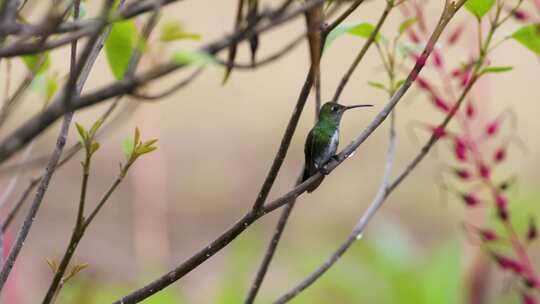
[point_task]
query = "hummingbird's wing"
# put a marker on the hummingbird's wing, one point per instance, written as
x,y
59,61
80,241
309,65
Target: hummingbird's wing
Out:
x,y
315,145
315,149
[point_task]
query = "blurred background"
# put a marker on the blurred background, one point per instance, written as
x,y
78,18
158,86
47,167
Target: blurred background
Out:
x,y
216,144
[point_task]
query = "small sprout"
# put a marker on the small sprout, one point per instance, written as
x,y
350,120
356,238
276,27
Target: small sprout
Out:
x,y
133,148
75,270
405,25
377,85
172,31
87,137
53,264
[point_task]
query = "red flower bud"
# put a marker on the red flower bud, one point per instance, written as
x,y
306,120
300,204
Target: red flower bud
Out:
x,y
500,155
520,15
470,111
454,36
440,104
465,78
457,72
532,231
488,235
532,282
492,128
423,84
507,263
460,150
470,199
421,60
528,299
437,58
501,201
412,35
439,132
484,171
463,173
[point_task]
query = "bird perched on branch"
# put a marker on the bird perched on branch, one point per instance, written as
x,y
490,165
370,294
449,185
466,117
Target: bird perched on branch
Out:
x,y
323,139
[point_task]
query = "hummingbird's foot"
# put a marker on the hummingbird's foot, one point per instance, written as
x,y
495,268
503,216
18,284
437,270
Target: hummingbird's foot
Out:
x,y
324,169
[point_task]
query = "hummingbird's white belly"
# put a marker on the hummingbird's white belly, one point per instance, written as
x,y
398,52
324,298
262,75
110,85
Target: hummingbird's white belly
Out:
x,y
329,151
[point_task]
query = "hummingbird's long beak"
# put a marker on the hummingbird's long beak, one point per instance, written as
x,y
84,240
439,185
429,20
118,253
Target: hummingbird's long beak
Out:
x,y
358,106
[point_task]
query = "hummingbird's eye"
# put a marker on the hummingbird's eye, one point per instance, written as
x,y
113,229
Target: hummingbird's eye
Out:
x,y
334,108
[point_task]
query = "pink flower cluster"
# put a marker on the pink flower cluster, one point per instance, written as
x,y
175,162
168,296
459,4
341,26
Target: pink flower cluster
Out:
x,y
472,142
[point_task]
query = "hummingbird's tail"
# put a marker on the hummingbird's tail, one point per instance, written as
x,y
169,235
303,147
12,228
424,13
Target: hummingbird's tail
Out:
x,y
316,184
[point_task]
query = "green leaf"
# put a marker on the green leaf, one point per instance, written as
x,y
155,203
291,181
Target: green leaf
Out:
x,y
496,69
127,147
94,147
192,57
172,31
479,7
82,132
405,25
95,127
137,136
529,37
399,83
377,85
144,150
52,87
119,47
38,63
362,30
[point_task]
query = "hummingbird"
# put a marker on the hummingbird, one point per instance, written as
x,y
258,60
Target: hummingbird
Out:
x,y
323,139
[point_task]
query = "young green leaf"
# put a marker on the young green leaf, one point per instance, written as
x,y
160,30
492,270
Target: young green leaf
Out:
x,y
479,7
38,63
192,58
496,69
377,85
128,146
82,132
172,31
362,30
94,147
52,87
119,47
405,25
529,37
95,127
